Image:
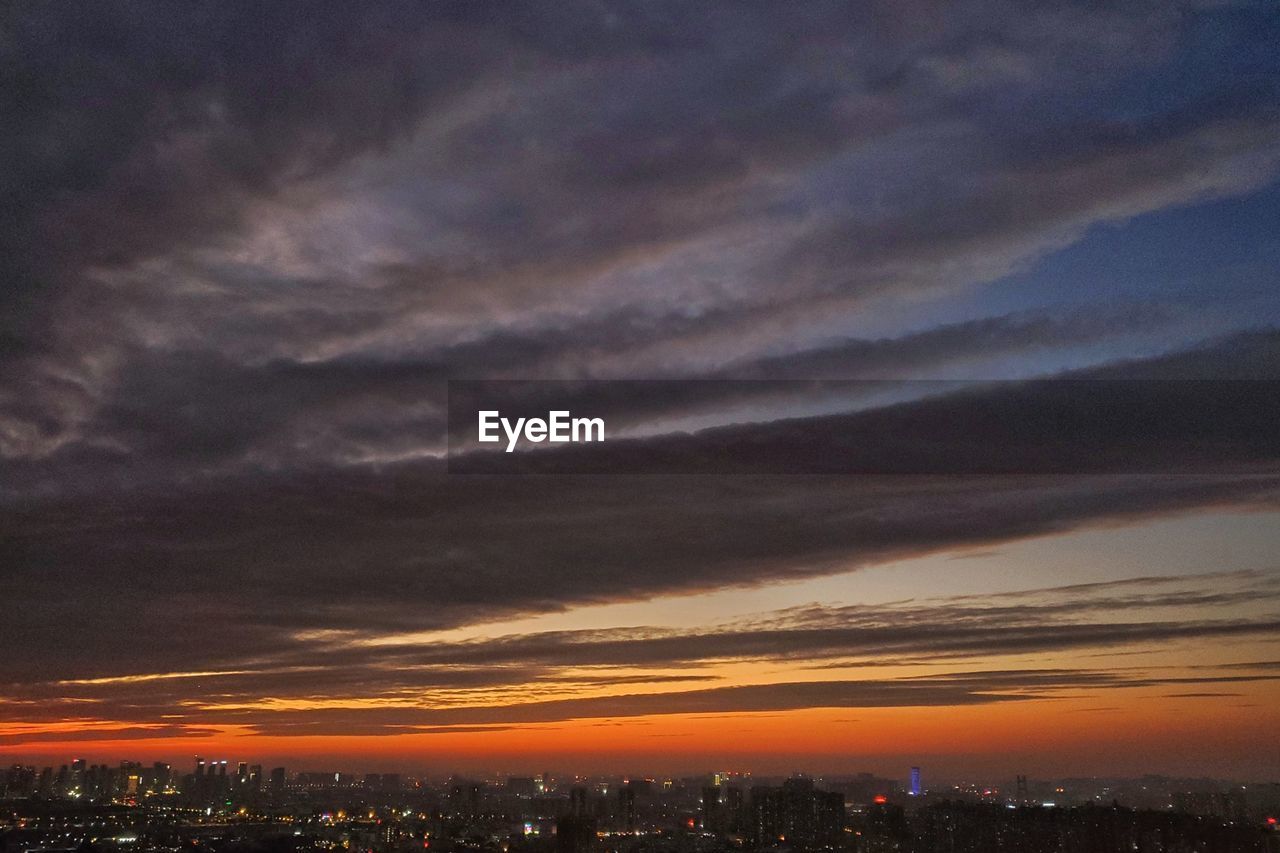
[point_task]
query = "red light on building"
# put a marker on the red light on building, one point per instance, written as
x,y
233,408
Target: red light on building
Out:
x,y
880,799
1271,821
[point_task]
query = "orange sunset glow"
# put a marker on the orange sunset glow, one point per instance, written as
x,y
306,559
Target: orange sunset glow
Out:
x,y
1166,672
590,426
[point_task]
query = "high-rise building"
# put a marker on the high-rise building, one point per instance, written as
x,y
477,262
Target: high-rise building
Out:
x,y
522,786
731,804
627,807
712,813
913,787
575,834
797,815
20,781
466,799
578,801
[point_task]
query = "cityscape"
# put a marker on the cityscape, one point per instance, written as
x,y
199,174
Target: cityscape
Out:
x,y
235,806
639,426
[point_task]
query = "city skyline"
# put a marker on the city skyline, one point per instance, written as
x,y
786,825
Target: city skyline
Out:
x,y
135,806
128,779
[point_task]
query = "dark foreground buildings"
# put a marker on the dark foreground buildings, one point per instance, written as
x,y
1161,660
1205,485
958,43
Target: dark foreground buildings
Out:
x,y
235,808
796,815
987,828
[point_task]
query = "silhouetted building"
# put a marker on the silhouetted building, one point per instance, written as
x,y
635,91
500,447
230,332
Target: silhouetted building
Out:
x,y
712,809
578,802
465,799
575,834
732,803
627,807
522,786
982,828
797,815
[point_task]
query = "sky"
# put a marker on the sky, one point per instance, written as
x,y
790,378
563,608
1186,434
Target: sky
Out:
x,y
246,247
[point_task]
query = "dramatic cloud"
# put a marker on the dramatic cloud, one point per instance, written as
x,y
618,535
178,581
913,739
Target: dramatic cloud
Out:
x,y
245,249
665,191
391,684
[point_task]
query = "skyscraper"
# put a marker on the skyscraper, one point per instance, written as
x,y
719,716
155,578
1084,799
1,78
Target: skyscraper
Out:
x,y
627,807
578,801
711,811
795,814
913,787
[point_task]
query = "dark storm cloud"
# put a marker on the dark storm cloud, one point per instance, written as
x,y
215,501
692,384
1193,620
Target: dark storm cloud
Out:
x,y
244,247
205,411
686,255
929,350
404,546
1063,426
201,411
133,128
125,733
379,183
1106,168
271,584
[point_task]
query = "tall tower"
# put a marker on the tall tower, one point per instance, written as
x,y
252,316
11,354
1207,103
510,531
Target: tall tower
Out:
x,y
913,788
578,801
627,807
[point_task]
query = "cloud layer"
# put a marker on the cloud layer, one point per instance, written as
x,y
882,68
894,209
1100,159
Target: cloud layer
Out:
x,y
245,248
